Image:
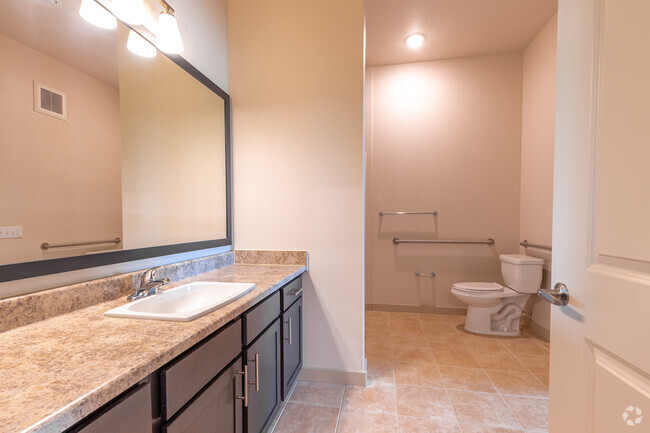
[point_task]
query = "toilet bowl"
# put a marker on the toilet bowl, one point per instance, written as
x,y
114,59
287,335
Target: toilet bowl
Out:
x,y
495,309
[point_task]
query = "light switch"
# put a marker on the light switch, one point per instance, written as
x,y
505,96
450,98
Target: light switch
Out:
x,y
11,232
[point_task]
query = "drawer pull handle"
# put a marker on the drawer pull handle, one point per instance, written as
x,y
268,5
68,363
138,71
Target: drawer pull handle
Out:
x,y
296,292
256,360
245,396
290,339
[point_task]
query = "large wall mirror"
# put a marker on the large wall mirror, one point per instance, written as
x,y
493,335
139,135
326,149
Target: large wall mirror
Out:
x,y
107,156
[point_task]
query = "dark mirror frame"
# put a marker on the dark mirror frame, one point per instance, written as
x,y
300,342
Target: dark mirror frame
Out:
x,y
19,271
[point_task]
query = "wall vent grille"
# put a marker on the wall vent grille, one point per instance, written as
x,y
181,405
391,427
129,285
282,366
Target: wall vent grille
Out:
x,y
49,101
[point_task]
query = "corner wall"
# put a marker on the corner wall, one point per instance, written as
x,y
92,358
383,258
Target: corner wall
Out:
x,y
537,144
296,81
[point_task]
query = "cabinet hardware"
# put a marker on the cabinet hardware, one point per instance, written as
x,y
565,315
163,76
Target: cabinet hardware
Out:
x,y
296,292
288,322
256,360
245,396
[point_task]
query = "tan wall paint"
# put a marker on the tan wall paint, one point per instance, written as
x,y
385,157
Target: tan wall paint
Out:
x,y
296,81
446,136
60,179
173,154
537,144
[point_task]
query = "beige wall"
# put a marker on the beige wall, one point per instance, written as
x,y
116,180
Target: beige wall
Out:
x,y
173,154
60,179
537,143
445,136
296,81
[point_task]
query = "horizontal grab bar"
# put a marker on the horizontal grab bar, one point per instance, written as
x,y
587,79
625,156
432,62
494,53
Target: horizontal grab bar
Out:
x,y
396,241
433,212
47,246
527,244
420,274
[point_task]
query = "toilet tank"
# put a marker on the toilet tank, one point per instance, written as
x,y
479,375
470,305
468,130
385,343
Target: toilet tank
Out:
x,y
522,273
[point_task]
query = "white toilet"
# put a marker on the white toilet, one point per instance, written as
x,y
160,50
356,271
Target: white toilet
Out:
x,y
495,309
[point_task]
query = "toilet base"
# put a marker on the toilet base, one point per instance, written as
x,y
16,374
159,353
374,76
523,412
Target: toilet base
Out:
x,y
510,333
499,320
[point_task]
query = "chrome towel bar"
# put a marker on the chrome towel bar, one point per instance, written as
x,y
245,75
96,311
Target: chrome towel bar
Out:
x,y
527,244
396,241
433,212
47,246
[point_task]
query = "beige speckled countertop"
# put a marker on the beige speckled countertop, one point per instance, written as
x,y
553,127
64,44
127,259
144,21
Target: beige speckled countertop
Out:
x,y
56,371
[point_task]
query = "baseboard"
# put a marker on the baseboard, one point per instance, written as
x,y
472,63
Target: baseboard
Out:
x,y
416,309
539,331
333,376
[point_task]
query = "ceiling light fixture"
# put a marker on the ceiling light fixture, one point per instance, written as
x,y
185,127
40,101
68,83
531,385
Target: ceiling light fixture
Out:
x,y
140,46
130,11
96,15
415,40
168,37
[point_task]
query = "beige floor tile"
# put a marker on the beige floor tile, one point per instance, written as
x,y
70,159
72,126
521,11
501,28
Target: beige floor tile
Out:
x,y
544,378
420,374
409,424
374,336
482,409
537,364
532,413
470,428
484,344
405,326
417,354
376,397
356,421
499,361
307,418
381,370
378,325
525,347
456,319
377,314
432,318
423,402
324,394
471,379
438,328
413,317
455,358
379,351
437,342
517,383
407,339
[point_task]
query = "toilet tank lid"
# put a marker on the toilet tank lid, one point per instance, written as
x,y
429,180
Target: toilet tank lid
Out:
x,y
519,259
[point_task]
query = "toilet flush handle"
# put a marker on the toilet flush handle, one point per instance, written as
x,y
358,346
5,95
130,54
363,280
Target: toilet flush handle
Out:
x,y
559,295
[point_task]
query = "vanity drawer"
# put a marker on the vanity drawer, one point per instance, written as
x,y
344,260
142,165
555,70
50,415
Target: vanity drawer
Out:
x,y
291,292
261,316
180,381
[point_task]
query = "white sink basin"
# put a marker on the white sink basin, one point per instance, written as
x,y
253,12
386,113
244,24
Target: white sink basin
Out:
x,y
183,303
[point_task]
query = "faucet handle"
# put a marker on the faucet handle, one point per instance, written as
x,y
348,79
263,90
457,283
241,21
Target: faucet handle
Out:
x,y
149,275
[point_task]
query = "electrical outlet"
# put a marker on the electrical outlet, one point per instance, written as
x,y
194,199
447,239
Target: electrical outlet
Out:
x,y
11,232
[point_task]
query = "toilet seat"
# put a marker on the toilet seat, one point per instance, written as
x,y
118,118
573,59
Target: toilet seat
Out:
x,y
478,287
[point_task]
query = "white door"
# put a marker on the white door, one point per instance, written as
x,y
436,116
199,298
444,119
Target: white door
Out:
x,y
600,341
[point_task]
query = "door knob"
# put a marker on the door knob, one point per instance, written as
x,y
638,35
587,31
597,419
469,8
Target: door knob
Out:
x,y
559,295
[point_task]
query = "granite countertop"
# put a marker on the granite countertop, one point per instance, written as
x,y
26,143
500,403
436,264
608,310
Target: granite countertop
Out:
x,y
56,371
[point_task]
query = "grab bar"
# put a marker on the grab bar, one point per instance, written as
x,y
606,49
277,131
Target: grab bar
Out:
x,y
47,246
434,213
527,244
396,241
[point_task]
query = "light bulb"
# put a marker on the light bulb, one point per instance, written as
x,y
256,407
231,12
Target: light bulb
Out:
x,y
129,11
140,46
96,15
168,37
415,40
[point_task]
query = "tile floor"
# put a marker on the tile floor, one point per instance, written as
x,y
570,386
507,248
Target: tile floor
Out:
x,y
427,374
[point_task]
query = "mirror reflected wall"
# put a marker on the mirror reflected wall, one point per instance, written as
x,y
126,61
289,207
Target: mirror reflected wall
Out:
x,y
124,157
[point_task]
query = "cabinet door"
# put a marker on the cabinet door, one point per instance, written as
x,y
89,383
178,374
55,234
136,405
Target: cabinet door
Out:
x,y
291,346
264,381
215,410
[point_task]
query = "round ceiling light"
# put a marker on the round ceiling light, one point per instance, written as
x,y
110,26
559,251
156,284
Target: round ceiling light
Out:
x,y
415,40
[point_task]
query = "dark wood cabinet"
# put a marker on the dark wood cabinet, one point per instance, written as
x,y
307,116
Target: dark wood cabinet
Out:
x,y
291,346
217,409
264,379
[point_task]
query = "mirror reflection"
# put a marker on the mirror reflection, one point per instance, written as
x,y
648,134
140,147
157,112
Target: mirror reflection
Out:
x,y
99,143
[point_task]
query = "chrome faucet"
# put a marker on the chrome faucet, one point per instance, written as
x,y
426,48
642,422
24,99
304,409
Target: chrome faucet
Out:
x,y
149,286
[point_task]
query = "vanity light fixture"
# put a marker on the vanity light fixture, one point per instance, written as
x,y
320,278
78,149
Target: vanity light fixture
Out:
x,y
415,40
129,11
96,15
168,37
140,46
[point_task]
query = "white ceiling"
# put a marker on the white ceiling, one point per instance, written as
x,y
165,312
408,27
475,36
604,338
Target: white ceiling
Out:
x,y
452,28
